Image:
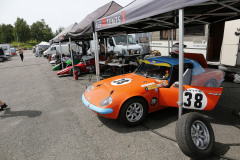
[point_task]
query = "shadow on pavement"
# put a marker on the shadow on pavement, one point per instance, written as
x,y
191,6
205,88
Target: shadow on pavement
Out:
x,y
64,75
115,125
220,150
28,113
154,120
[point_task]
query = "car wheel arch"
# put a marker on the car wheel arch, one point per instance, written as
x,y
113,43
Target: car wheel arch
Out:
x,y
126,100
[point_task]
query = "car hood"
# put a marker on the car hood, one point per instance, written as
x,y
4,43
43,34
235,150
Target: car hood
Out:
x,y
128,83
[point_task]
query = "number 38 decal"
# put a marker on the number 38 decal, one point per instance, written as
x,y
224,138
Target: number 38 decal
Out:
x,y
194,99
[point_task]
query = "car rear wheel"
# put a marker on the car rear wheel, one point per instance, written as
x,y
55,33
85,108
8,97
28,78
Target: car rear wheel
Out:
x,y
211,83
195,136
133,111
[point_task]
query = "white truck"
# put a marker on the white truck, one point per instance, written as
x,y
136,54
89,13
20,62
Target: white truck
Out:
x,y
118,44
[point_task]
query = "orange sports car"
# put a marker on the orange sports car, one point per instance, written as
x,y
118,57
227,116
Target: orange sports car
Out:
x,y
153,86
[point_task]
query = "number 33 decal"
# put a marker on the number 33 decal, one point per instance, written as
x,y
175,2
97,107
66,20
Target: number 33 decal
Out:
x,y
194,99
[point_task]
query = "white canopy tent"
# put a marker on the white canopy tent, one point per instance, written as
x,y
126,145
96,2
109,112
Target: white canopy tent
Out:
x,y
154,15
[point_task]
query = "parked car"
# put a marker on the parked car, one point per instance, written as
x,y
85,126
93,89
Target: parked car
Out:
x,y
13,51
87,64
3,56
153,86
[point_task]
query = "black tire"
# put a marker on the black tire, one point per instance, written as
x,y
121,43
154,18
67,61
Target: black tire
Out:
x,y
211,83
185,135
140,113
75,69
236,112
1,60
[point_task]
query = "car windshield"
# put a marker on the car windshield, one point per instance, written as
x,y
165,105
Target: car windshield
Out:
x,y
157,71
122,40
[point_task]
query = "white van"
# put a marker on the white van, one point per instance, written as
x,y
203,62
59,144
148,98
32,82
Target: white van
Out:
x,y
6,48
3,56
55,49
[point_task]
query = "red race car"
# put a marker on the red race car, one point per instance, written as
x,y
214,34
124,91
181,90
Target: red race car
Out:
x,y
86,65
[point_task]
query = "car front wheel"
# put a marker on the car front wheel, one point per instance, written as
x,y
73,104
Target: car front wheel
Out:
x,y
133,111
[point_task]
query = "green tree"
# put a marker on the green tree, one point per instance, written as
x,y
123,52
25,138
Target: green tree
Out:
x,y
59,30
48,34
21,30
6,33
40,31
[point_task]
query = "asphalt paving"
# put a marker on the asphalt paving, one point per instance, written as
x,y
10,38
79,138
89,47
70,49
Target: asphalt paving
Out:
x,y
46,120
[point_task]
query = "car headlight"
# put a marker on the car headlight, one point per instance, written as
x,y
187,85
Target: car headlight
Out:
x,y
106,101
89,88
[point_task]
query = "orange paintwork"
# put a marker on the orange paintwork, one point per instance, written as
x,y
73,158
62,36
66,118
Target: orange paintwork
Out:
x,y
147,88
169,96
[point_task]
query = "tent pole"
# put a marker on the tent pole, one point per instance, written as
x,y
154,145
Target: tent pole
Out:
x,y
105,47
90,47
96,56
181,57
168,42
70,45
61,53
171,39
150,42
127,45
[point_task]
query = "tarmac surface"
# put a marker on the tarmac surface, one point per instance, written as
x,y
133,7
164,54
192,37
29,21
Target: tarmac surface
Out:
x,y
46,120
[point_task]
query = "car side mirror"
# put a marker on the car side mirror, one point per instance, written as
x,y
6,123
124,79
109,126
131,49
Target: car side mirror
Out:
x,y
137,41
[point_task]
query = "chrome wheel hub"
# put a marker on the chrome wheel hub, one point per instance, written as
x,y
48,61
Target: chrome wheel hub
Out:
x,y
200,134
134,112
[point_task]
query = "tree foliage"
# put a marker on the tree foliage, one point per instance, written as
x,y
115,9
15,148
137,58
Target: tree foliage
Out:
x,y
59,30
6,33
40,31
21,30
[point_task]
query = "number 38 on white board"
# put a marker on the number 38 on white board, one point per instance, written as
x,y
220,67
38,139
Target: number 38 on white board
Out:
x,y
194,99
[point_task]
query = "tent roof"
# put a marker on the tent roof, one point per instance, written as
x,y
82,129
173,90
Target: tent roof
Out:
x,y
63,33
84,29
154,15
44,43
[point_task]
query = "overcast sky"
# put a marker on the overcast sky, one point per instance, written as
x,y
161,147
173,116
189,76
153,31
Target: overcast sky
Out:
x,y
56,13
